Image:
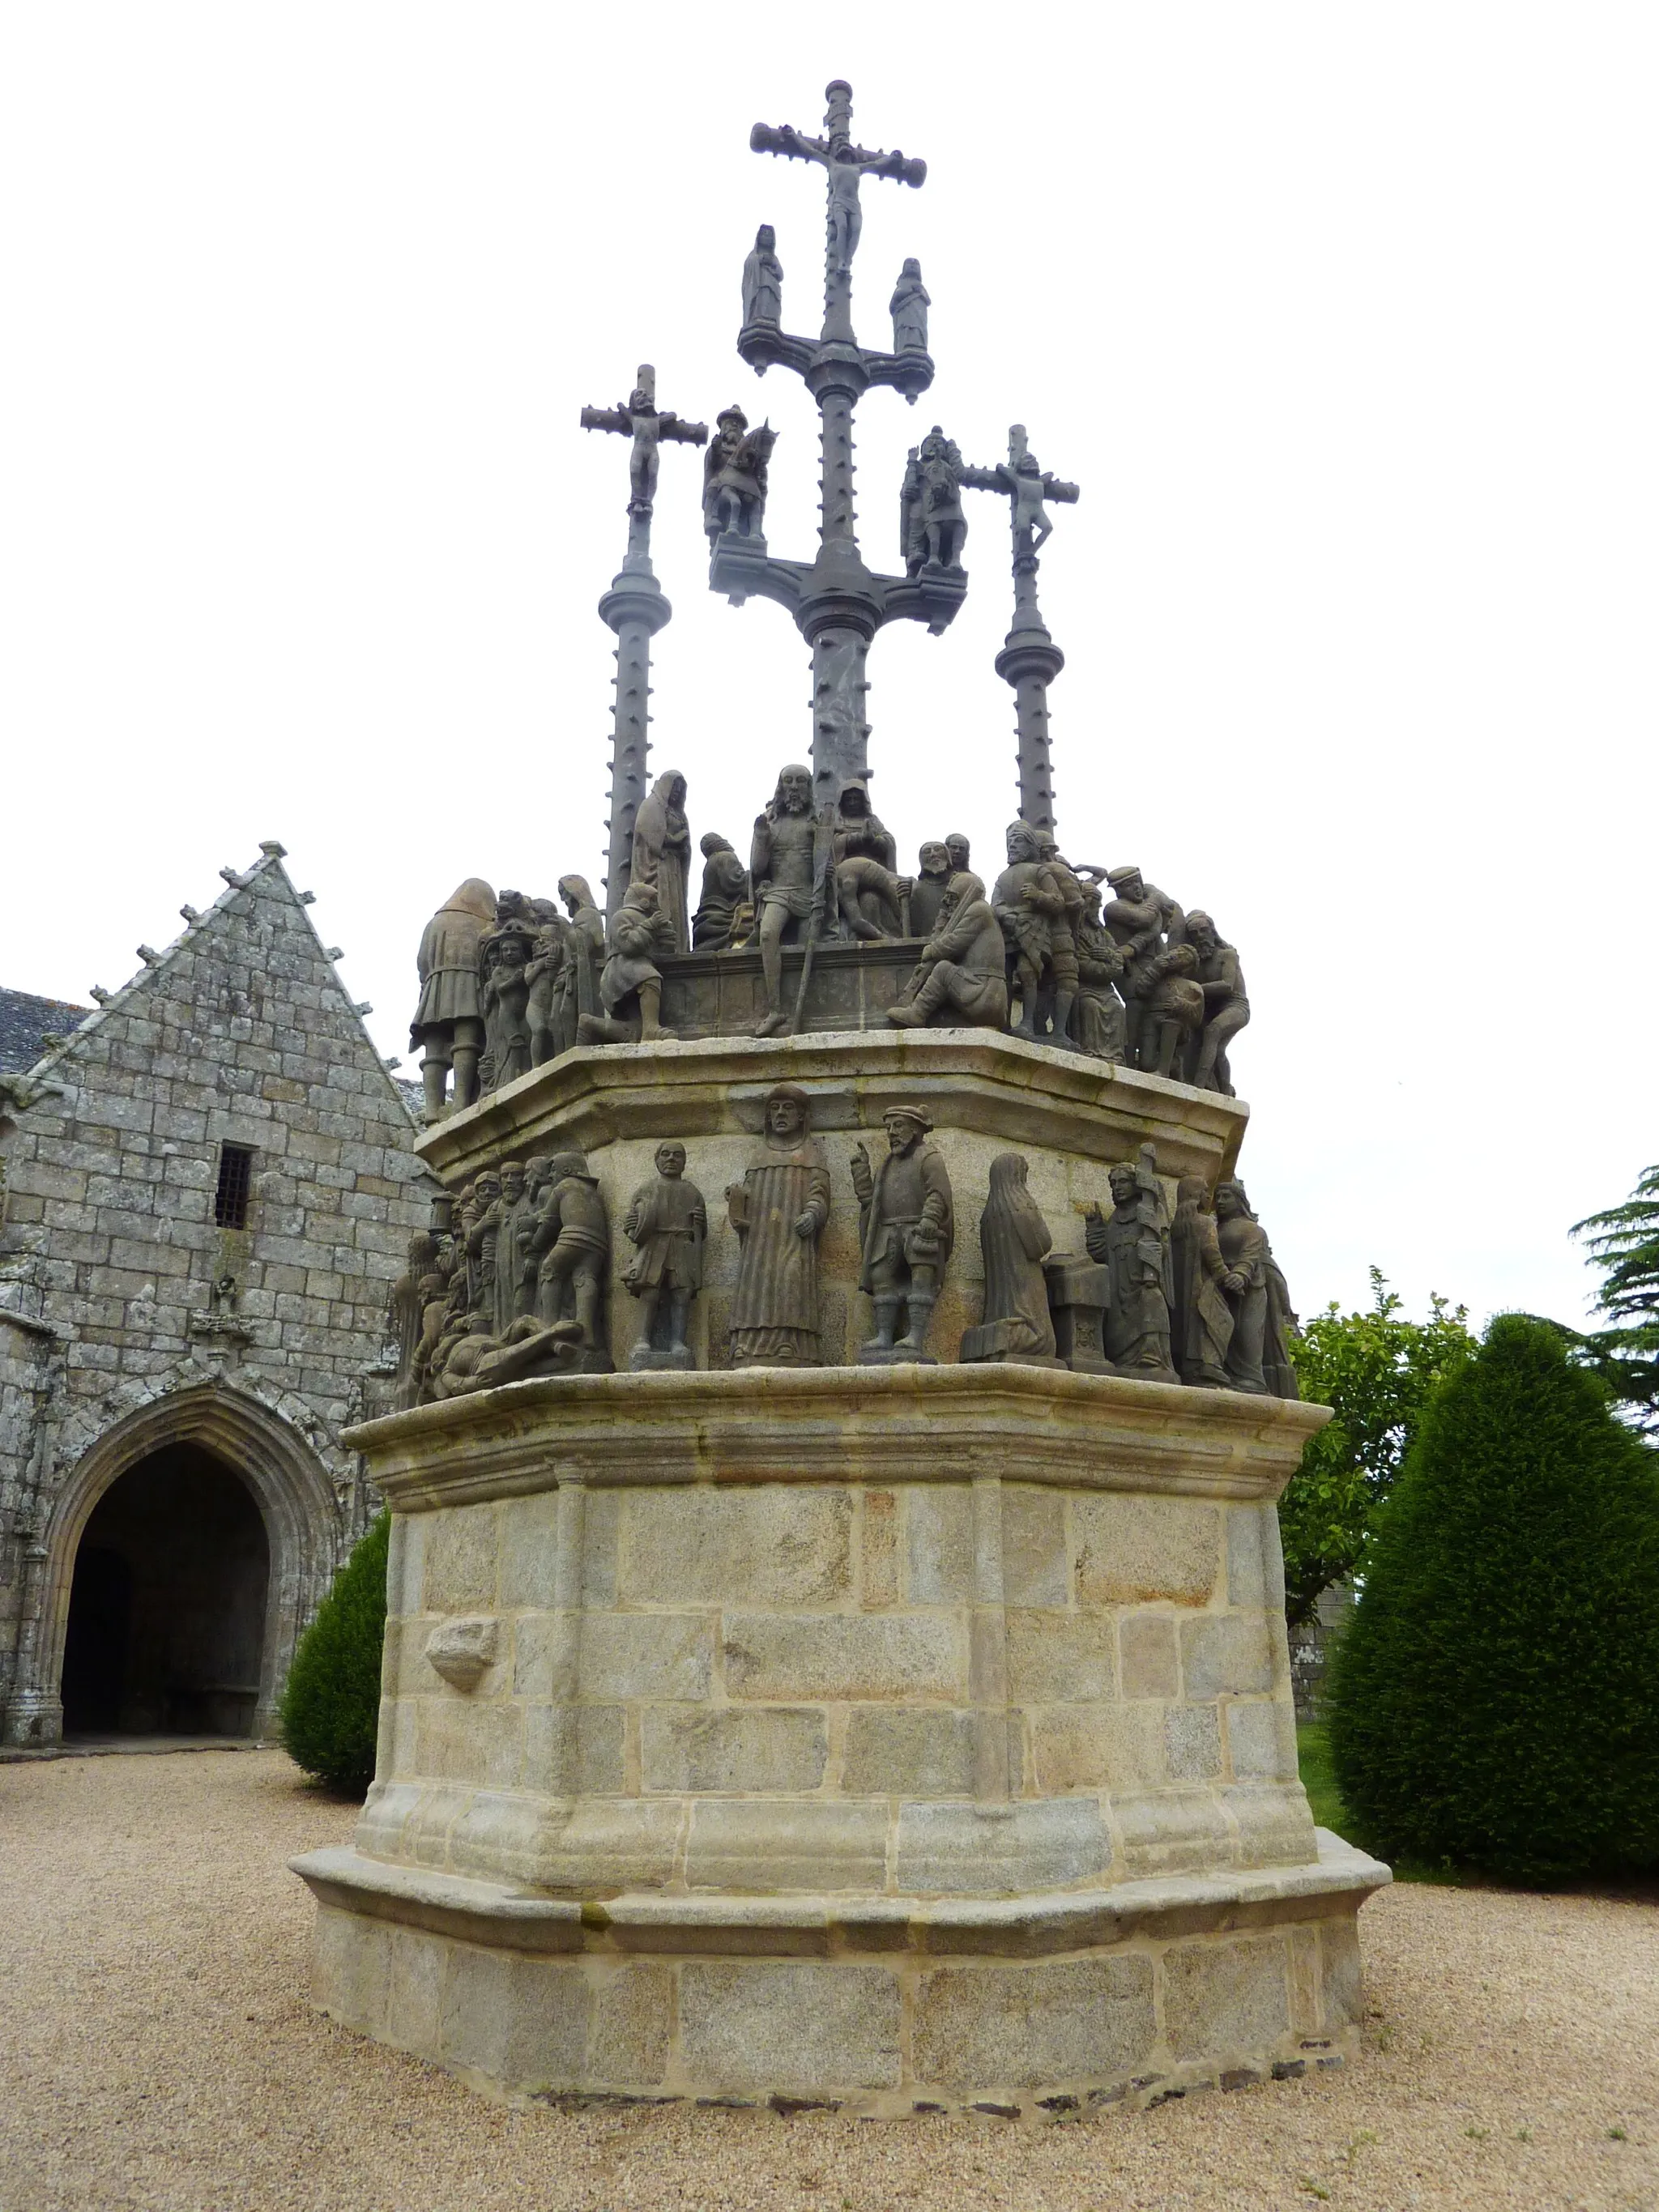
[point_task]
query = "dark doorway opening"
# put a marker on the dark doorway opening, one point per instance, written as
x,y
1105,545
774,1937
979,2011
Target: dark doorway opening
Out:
x,y
167,1617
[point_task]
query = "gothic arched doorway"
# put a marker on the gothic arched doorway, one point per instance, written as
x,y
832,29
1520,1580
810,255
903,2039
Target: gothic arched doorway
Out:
x,y
167,1607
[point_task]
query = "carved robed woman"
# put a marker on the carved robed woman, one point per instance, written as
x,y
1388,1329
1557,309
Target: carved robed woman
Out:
x,y
779,1211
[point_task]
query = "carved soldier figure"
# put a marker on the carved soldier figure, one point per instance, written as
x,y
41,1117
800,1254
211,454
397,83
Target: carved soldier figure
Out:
x,y
666,1219
779,1211
1203,1318
964,969
929,886
508,1261
662,854
1031,908
1063,947
906,1229
762,280
543,972
724,890
569,1239
537,1174
638,938
734,476
1014,1241
1098,1016
1132,1244
448,1026
482,1222
1138,915
869,895
933,526
908,308
781,865
1226,1004
1258,1357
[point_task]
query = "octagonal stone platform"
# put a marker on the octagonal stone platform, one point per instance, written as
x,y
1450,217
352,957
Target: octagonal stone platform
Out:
x,y
892,1738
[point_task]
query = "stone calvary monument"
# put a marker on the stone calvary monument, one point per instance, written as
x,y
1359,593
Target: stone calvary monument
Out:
x,y
836,1651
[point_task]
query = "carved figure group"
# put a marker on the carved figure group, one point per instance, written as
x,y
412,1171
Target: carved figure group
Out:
x,y
1094,960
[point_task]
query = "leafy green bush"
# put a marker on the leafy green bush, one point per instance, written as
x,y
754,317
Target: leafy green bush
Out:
x,y
1495,1702
331,1706
1377,1369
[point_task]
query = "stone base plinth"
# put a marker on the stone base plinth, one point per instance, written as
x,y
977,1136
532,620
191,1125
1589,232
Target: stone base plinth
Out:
x,y
1029,2005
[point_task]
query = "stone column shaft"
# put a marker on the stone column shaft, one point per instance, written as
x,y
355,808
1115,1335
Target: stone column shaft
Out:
x,y
635,607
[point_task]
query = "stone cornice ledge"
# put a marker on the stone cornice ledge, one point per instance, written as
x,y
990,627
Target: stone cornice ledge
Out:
x,y
883,1424
977,1080
1010,1927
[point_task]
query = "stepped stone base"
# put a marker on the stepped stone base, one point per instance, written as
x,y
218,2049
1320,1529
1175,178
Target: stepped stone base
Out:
x,y
1025,2006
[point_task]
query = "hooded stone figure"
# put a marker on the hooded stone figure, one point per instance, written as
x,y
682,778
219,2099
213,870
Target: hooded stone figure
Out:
x,y
1203,1320
1258,1356
1014,1241
448,1026
662,853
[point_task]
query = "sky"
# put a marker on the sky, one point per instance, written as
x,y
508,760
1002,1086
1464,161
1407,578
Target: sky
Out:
x,y
1343,319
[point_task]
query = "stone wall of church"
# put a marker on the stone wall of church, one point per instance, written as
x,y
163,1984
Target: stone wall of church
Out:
x,y
240,1035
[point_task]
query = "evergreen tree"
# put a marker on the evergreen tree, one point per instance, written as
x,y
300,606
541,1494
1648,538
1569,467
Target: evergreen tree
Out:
x,y
331,1705
1495,1702
1377,1369
1624,1243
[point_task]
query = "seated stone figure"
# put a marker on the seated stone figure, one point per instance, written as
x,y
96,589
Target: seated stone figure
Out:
x,y
725,892
962,977
869,895
931,882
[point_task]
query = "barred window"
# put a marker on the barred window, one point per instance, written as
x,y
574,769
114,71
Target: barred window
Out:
x,y
235,1179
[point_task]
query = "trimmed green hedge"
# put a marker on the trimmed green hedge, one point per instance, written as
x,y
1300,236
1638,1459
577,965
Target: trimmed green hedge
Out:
x,y
332,1707
1495,1702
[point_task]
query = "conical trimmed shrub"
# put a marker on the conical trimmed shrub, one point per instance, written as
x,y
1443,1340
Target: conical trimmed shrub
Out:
x,y
1495,1702
331,1706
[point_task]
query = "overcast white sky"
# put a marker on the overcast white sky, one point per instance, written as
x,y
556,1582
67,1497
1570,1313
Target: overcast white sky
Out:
x,y
1345,318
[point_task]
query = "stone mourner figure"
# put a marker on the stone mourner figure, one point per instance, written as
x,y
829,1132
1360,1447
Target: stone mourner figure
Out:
x,y
781,865
584,941
1258,1357
1132,1244
1226,1004
1203,1317
569,1239
908,308
962,976
762,280
870,896
669,1222
662,854
638,938
906,1229
1014,1241
448,1027
779,1211
724,890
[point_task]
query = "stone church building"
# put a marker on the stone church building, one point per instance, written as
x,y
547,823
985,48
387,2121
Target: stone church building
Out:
x,y
206,1190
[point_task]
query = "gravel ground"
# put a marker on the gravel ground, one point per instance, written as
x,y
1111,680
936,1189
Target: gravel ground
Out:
x,y
159,2051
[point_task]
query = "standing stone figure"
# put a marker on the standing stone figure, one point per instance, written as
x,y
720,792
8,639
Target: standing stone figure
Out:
x,y
662,854
928,887
906,1228
543,974
1258,1357
908,308
1132,1244
1137,915
503,960
781,865
1014,1241
734,476
507,1254
724,890
448,1027
1226,1004
1203,1318
932,527
483,1220
407,1301
779,1211
1030,906
1171,1002
762,280
569,1240
585,949
962,971
668,1222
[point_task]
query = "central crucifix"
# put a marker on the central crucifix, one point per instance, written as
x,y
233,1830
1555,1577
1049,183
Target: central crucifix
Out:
x,y
837,602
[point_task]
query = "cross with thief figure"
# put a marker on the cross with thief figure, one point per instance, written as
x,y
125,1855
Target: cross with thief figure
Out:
x,y
1029,659
638,417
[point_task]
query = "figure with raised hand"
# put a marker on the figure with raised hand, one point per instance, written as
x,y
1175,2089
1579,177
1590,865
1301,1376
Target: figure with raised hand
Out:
x,y
906,1229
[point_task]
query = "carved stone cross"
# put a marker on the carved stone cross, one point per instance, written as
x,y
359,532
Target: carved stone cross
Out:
x,y
638,417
